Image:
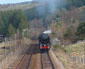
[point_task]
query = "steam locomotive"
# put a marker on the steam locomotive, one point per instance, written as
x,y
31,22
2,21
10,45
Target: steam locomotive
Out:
x,y
44,42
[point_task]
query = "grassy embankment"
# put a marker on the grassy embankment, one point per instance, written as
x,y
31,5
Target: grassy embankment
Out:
x,y
71,55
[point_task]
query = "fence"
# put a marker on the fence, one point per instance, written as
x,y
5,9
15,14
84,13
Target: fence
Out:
x,y
10,46
78,59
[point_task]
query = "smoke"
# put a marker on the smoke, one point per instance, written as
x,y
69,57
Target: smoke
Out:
x,y
52,5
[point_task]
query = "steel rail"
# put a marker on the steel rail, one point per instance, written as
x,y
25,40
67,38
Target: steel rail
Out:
x,y
24,58
46,54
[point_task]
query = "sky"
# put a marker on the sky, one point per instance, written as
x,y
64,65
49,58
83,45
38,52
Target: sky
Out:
x,y
12,1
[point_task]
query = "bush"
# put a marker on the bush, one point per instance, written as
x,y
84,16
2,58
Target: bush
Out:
x,y
68,33
55,47
81,31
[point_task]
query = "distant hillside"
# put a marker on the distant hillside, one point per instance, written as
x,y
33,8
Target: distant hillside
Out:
x,y
23,6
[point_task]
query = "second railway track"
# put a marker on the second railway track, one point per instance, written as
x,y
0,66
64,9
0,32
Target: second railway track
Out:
x,y
26,59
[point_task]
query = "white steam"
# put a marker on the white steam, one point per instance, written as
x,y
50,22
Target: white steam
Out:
x,y
53,5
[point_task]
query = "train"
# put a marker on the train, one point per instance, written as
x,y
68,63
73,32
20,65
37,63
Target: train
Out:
x,y
44,42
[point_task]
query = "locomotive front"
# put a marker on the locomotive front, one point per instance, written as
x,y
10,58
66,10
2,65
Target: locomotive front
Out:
x,y
44,42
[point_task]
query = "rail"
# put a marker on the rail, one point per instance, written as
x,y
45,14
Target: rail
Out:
x,y
46,61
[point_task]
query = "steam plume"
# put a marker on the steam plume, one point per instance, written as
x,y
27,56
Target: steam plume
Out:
x,y
53,5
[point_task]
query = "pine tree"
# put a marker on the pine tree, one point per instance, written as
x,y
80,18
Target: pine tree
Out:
x,y
23,22
11,30
81,31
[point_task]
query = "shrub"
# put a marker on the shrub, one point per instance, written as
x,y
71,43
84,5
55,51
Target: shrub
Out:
x,y
55,47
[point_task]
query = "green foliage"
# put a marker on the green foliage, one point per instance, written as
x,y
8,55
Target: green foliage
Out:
x,y
76,3
11,30
12,19
4,22
56,47
23,22
81,28
2,26
81,31
23,25
68,33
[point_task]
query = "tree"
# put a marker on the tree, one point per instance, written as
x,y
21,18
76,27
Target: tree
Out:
x,y
2,26
81,30
23,22
11,30
15,19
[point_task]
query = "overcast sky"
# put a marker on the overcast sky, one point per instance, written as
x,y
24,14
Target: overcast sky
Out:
x,y
12,1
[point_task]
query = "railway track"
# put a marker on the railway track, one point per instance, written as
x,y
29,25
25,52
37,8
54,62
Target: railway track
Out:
x,y
46,61
26,59
33,59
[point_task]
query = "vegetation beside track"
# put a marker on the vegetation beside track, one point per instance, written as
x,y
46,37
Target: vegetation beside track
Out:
x,y
78,48
9,56
71,56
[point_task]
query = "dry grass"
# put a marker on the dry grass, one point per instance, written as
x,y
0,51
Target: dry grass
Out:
x,y
8,43
67,62
76,50
9,59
